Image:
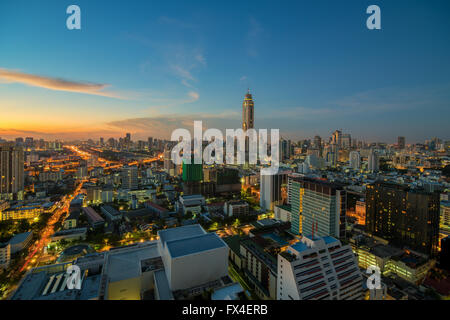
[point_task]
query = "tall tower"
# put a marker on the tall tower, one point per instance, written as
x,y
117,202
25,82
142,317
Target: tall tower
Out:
x,y
11,171
248,112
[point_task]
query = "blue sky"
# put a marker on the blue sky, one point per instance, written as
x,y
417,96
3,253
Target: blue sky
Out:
x,y
312,67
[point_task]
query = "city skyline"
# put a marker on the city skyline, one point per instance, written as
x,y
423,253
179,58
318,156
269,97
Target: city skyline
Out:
x,y
158,69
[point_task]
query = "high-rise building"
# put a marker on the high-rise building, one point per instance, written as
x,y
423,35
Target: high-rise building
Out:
x,y
192,172
295,197
322,206
11,171
29,142
445,253
318,268
355,160
129,177
401,143
373,162
285,150
271,190
247,121
168,164
150,142
248,112
318,142
404,216
346,141
336,138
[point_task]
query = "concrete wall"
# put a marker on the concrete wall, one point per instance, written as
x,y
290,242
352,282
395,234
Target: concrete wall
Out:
x,y
197,269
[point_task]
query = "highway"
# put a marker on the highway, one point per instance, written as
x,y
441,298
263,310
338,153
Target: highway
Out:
x,y
62,209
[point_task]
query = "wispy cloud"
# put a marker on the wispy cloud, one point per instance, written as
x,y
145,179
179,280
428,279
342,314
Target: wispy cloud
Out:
x,y
253,37
162,126
12,76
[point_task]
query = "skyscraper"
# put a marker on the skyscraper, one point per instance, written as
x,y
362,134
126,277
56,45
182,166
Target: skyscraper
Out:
x,y
192,172
406,217
336,138
295,197
11,171
320,205
401,143
129,177
318,142
355,160
373,162
270,189
248,112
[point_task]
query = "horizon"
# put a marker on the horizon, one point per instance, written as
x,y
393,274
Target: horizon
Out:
x,y
151,68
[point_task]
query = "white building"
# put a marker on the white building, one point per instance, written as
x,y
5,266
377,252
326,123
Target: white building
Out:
x,y
355,160
319,269
270,189
283,213
373,162
5,255
191,203
184,262
20,241
192,257
235,207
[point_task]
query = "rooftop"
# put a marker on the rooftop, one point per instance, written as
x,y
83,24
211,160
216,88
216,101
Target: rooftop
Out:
x,y
199,243
180,233
126,263
19,238
92,214
112,211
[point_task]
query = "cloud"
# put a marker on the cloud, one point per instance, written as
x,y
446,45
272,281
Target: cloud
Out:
x,y
243,78
201,59
162,126
253,37
57,84
194,95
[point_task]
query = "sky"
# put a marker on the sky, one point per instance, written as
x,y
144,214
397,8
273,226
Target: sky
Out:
x,y
149,67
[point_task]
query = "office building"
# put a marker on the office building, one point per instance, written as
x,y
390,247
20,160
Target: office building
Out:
x,y
373,162
192,203
94,219
235,208
401,143
192,172
20,241
111,214
129,177
11,172
271,189
5,255
318,268
320,205
355,160
406,217
445,216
